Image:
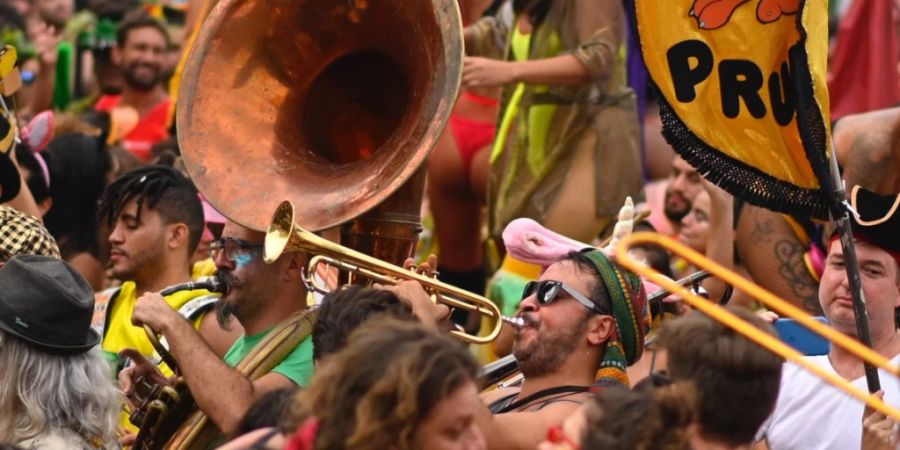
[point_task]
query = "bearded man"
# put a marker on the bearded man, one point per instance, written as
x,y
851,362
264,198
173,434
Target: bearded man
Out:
x,y
259,296
140,115
584,323
671,200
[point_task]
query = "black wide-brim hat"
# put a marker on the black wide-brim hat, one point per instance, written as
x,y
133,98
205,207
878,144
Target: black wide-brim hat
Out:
x,y
879,219
48,304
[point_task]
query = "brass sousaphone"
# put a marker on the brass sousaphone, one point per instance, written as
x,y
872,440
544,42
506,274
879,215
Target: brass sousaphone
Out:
x,y
331,104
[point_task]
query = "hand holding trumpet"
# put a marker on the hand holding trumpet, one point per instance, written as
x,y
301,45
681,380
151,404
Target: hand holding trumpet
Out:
x,y
434,315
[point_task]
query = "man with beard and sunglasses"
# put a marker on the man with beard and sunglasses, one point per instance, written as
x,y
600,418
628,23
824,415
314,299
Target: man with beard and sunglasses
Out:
x,y
584,323
142,43
260,296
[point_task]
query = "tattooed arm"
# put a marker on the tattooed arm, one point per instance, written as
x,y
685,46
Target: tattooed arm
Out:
x,y
773,256
868,148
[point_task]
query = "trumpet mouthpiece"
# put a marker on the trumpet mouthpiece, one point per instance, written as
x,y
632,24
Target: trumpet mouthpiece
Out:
x,y
515,322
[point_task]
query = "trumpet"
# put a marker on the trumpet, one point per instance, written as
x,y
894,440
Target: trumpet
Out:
x,y
760,337
284,235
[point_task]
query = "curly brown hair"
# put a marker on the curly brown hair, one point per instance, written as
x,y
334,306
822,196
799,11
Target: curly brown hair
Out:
x,y
722,362
375,392
655,419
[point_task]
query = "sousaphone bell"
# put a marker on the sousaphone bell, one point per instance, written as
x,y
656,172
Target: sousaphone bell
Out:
x,y
331,104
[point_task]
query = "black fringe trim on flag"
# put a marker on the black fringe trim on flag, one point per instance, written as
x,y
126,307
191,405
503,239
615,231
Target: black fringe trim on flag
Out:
x,y
810,122
743,180
738,178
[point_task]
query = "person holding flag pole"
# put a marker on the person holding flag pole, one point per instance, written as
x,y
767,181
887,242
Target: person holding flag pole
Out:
x,y
811,413
743,98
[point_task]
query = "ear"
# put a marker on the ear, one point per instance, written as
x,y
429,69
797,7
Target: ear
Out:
x,y
45,205
600,329
897,278
295,264
178,236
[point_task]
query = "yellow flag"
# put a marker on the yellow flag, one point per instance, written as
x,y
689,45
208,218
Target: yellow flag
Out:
x,y
743,96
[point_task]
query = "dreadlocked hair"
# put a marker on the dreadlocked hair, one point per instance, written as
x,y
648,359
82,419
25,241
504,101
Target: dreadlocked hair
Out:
x,y
162,189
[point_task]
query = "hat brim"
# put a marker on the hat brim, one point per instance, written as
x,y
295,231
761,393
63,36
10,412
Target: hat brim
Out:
x,y
92,341
879,218
10,183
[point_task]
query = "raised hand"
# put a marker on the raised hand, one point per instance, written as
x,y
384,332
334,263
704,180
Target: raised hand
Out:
x,y
46,42
717,196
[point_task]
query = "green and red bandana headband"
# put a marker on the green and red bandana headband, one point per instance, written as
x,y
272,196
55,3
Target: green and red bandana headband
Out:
x,y
629,300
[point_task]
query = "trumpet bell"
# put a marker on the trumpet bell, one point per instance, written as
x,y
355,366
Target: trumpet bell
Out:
x,y
278,236
331,104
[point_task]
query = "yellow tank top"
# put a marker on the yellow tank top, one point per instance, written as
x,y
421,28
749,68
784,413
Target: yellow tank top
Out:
x,y
535,130
121,334
203,269
521,43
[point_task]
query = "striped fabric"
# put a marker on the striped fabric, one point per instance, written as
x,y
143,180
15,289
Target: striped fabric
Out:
x,y
628,304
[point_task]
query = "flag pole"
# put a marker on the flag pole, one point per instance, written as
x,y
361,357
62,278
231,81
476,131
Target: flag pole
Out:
x,y
840,213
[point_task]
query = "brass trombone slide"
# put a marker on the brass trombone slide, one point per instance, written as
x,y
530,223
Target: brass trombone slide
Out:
x,y
767,298
284,235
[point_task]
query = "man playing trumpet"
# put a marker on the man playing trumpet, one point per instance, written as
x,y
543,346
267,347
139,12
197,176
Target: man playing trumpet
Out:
x,y
584,324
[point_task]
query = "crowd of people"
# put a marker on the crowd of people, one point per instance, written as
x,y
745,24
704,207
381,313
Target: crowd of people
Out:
x,y
99,217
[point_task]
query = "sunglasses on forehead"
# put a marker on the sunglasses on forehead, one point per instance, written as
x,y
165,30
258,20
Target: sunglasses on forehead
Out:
x,y
547,292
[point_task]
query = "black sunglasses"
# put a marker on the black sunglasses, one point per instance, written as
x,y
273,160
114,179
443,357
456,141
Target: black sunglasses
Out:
x,y
547,292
